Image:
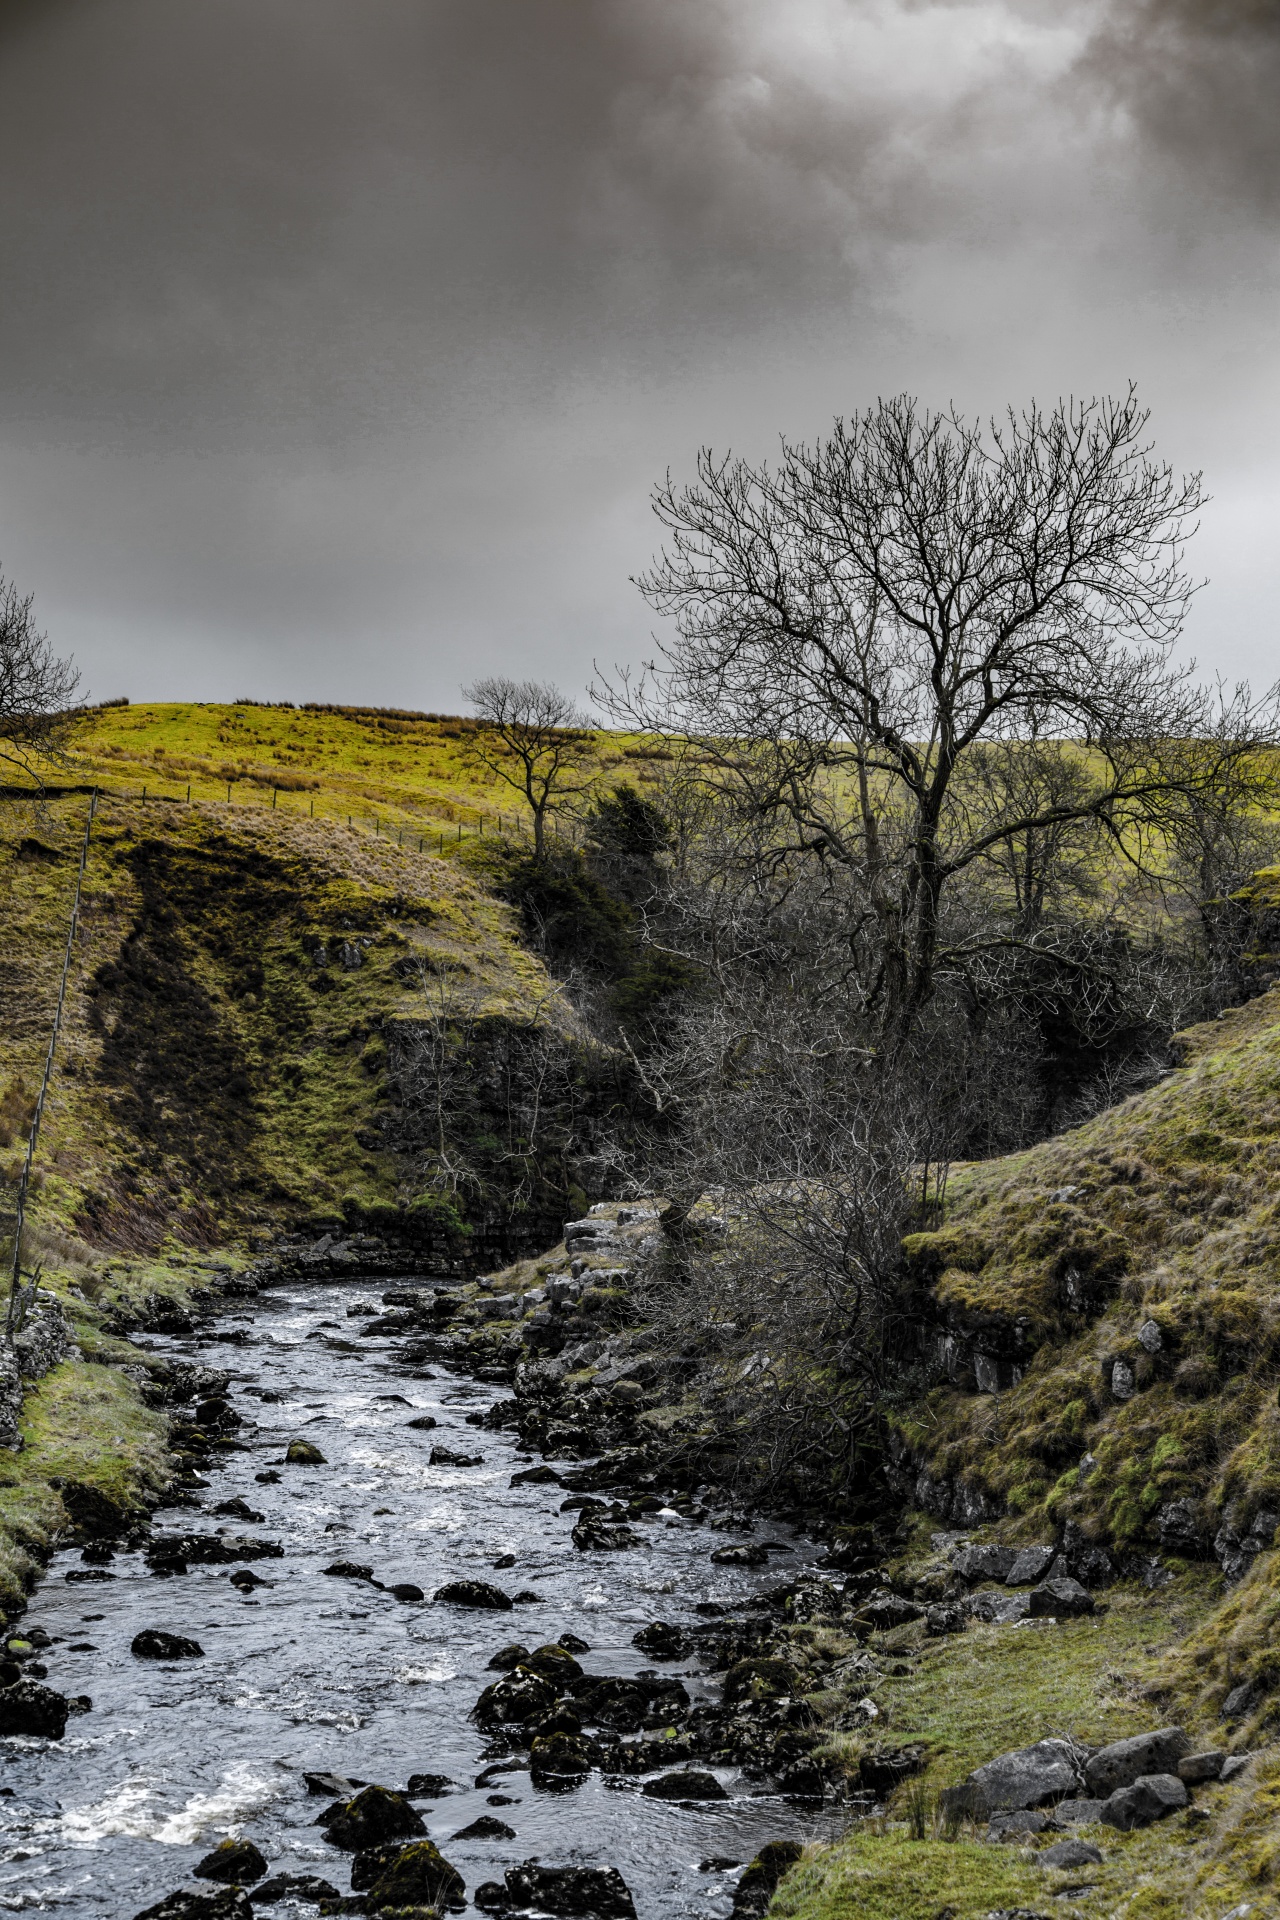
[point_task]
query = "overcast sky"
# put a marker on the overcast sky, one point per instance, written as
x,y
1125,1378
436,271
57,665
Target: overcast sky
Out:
x,y
342,340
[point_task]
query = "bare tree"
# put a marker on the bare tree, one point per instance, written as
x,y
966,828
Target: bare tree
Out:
x,y
36,688
533,737
862,627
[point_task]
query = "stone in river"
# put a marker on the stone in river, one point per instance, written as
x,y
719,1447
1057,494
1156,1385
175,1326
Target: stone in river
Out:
x,y
299,1886
333,1785
685,1785
268,1478
301,1453
556,1664
750,1554
405,1590
507,1657
237,1862
486,1828
27,1707
153,1644
598,1892
537,1477
760,1881
662,1642
246,1579
229,1903
521,1696
419,1876
572,1644
424,1422
445,1457
348,1570
474,1593
558,1760
428,1786
375,1814
238,1509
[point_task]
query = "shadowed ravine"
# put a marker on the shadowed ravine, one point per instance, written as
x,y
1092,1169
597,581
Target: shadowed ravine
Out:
x,y
316,1672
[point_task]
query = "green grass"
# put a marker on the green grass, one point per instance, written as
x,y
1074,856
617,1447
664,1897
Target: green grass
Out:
x,y
983,1692
409,777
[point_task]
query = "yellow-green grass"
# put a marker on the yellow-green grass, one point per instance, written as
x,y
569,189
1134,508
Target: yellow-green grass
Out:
x,y
406,778
83,1423
212,1081
990,1689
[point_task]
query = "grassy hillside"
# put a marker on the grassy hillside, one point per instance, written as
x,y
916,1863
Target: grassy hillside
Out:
x,y
236,979
409,775
1119,1288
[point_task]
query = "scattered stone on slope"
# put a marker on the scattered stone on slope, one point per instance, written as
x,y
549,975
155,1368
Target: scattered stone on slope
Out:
x,y
1026,1777
1058,1598
1071,1853
1124,1761
1152,1797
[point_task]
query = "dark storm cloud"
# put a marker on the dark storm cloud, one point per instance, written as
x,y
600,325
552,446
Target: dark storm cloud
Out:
x,y
1202,79
341,338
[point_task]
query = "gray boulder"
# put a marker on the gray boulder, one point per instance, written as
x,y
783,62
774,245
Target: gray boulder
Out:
x,y
1125,1761
1195,1768
1026,1777
1009,1828
1078,1813
1071,1853
1233,1766
1059,1598
1029,1565
1152,1797
1237,1546
1241,1701
983,1563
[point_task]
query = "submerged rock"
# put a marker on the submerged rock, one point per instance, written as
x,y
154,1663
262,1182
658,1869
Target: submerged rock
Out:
x,y
474,1593
685,1785
299,1886
485,1828
301,1453
238,1862
230,1903
153,1644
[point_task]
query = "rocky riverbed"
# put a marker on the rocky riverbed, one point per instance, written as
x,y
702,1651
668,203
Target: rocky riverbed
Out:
x,y
384,1655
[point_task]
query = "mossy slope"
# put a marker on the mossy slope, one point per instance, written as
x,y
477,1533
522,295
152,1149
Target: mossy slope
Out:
x,y
1159,1215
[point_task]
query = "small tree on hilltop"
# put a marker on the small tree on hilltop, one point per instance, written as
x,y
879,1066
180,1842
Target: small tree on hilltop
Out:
x,y
36,687
533,737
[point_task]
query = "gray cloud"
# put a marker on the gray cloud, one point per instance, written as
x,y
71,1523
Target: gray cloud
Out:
x,y
341,343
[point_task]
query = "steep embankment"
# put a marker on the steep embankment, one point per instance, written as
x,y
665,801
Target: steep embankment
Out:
x,y
251,995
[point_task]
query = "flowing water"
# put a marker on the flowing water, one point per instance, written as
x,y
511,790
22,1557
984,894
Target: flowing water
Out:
x,y
316,1673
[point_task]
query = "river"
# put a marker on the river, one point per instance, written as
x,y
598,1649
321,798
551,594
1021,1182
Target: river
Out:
x,y
312,1672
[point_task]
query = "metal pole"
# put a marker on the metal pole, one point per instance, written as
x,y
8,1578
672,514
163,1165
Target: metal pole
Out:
x,y
34,1135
